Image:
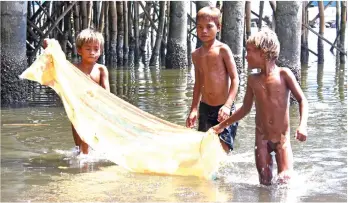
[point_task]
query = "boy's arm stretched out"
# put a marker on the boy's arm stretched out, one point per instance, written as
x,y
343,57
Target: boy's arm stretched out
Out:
x,y
240,113
190,121
301,132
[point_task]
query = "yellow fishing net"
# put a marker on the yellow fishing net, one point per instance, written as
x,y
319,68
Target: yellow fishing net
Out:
x,y
128,136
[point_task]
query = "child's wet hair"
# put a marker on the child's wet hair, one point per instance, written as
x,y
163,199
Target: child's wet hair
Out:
x,y
266,40
210,13
87,36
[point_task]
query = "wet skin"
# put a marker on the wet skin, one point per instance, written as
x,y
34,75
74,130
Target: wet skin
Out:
x,y
271,91
214,67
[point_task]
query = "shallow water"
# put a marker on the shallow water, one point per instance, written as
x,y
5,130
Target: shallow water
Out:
x,y
38,162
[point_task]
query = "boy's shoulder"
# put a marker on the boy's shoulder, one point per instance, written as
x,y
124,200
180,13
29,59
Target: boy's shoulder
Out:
x,y
284,71
101,67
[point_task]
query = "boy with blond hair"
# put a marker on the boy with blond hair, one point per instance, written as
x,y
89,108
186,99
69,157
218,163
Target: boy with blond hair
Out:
x,y
214,69
271,91
89,44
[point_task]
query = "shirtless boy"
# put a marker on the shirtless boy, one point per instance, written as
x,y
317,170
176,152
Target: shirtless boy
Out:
x,y
271,91
214,67
89,45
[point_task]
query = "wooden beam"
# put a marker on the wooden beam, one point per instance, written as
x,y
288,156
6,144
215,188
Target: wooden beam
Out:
x,y
321,37
191,19
54,25
317,16
309,50
338,35
148,16
257,15
309,3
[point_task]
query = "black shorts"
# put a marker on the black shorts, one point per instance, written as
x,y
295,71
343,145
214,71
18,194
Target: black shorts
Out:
x,y
208,116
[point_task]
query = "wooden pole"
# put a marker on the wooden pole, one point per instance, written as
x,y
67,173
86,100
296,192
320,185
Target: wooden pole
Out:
x,y
321,32
343,30
247,19
136,33
312,30
304,35
113,32
83,10
262,3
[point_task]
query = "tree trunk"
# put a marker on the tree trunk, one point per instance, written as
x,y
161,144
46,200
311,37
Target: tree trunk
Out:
x,y
343,30
321,32
13,52
126,36
113,33
304,36
120,32
136,33
176,46
288,28
83,10
199,5
154,61
232,31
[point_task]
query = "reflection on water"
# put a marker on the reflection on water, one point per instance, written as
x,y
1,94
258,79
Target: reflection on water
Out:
x,y
38,161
